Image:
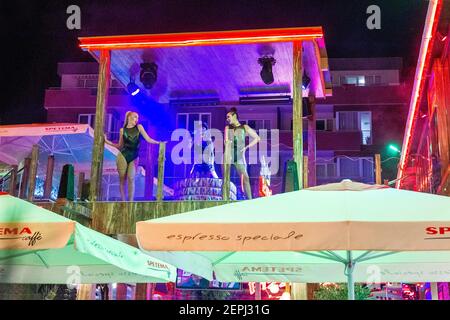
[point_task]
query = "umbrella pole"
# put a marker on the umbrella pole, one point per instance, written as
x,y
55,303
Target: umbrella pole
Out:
x,y
349,272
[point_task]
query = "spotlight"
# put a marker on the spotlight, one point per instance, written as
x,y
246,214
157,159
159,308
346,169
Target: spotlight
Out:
x,y
266,72
305,81
149,74
133,88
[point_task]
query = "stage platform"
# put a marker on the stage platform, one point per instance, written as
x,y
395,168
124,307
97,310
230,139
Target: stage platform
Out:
x,y
120,217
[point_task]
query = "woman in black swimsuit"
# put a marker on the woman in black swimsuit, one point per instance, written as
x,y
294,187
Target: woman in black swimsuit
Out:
x,y
127,159
235,133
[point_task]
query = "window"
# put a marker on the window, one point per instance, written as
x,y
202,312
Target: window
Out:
x,y
187,120
111,123
356,121
353,80
325,170
358,169
347,121
90,81
257,124
324,124
372,80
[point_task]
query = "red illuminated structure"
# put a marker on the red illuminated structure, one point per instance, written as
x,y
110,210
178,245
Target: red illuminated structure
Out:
x,y
425,160
423,66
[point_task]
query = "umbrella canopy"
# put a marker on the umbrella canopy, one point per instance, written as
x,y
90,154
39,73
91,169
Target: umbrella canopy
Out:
x,y
327,233
68,142
382,219
39,246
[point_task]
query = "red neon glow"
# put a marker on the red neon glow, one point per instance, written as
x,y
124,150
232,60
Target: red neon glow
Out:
x,y
426,47
200,38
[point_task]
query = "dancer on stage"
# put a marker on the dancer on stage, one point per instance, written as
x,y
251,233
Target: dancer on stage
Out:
x,y
127,159
204,147
235,133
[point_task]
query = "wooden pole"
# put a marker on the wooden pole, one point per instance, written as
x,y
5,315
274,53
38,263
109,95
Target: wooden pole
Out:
x,y
257,291
33,172
24,182
13,181
86,292
81,178
149,174
49,177
141,291
305,172
297,111
298,291
104,78
161,161
434,291
226,171
378,168
312,143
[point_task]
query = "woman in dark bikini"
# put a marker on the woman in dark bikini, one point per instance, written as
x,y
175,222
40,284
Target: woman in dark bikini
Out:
x,y
235,133
127,159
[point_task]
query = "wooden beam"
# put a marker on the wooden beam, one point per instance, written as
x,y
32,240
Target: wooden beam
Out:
x,y
13,181
33,172
104,78
49,177
24,181
149,174
377,168
299,291
297,110
121,217
201,38
141,291
434,291
161,162
305,172
257,291
312,143
86,292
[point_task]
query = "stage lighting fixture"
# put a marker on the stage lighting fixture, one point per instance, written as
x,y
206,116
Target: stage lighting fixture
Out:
x,y
149,74
133,88
266,72
305,81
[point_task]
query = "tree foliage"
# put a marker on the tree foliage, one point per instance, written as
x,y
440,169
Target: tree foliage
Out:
x,y
339,291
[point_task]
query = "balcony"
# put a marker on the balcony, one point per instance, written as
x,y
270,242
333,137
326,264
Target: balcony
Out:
x,y
82,97
328,140
363,95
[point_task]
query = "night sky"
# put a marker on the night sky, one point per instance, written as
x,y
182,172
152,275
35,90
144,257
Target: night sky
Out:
x,y
35,38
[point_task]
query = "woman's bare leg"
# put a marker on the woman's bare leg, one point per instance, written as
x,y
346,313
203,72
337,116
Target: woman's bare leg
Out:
x,y
242,170
131,173
122,170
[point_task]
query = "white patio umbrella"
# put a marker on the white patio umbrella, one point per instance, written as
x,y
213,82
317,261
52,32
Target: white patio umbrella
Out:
x,y
68,142
306,235
39,246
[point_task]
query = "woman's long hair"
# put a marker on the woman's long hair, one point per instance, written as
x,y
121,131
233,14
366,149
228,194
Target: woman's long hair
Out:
x,y
127,115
